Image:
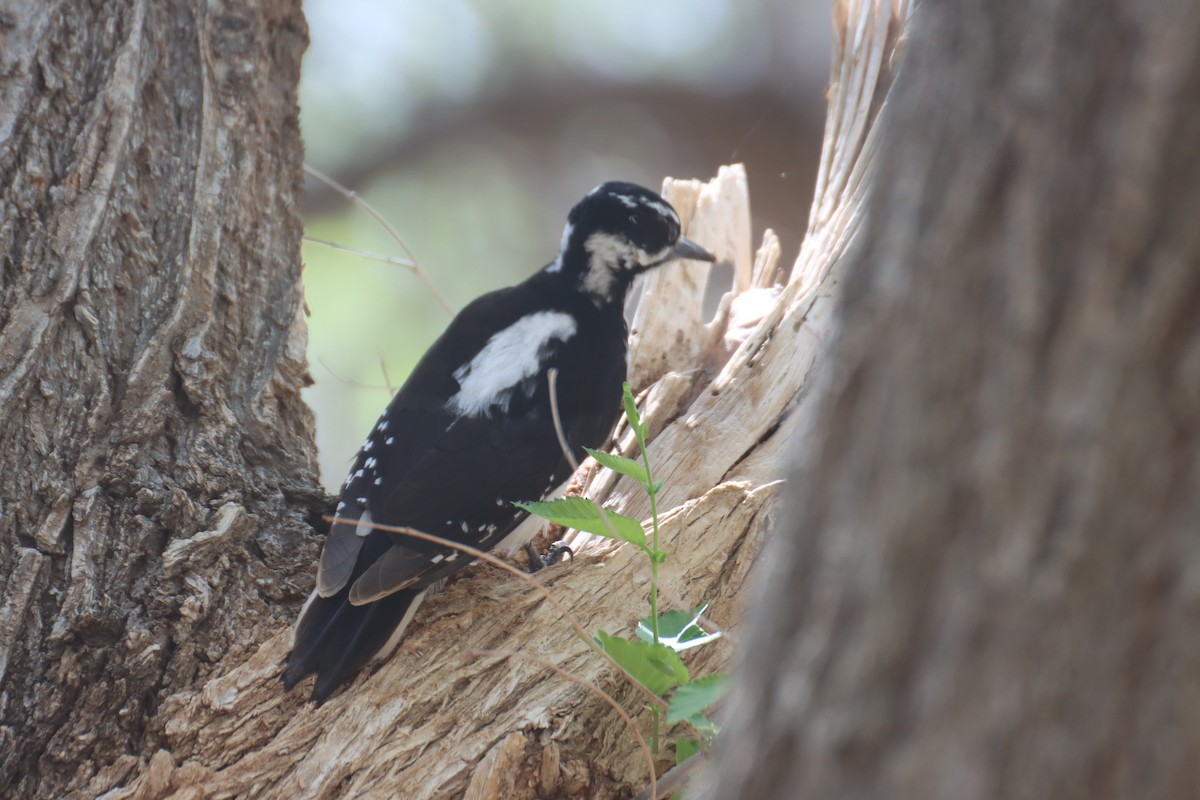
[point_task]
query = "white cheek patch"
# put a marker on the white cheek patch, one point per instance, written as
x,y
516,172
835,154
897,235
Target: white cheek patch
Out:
x,y
509,358
608,254
605,254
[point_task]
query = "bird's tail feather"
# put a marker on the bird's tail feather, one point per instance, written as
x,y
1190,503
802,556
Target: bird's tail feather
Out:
x,y
336,639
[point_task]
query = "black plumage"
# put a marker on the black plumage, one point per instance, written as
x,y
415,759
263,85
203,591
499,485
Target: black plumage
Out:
x,y
471,429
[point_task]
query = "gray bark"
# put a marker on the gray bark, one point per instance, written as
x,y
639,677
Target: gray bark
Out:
x,y
987,583
156,461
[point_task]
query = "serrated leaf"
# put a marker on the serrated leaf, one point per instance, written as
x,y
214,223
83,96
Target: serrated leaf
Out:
x,y
668,661
584,515
656,667
695,696
678,630
685,748
631,412
621,464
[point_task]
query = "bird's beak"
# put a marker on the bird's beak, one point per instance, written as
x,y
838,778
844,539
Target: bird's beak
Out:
x,y
686,248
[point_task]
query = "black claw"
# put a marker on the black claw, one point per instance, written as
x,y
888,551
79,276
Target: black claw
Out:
x,y
553,555
556,552
535,560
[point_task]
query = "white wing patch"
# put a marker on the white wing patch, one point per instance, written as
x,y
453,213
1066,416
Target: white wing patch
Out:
x,y
509,358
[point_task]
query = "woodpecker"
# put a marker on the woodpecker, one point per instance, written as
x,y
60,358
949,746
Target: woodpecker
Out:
x,y
472,430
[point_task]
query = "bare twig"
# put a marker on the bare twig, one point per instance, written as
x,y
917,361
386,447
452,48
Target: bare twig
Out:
x,y
525,576
353,197
348,381
552,377
386,378
411,266
592,688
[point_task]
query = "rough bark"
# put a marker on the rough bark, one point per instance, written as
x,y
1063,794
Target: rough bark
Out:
x,y
987,583
156,461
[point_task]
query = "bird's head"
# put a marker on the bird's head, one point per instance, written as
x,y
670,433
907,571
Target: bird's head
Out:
x,y
616,232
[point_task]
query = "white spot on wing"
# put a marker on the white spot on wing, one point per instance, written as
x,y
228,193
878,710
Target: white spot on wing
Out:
x,y
364,524
509,357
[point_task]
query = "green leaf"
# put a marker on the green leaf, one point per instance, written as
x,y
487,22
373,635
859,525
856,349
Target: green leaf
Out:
x,y
631,412
658,486
703,725
584,515
693,697
621,464
656,667
685,748
678,630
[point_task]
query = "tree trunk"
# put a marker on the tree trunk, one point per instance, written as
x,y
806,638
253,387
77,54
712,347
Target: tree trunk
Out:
x,y
156,460
986,586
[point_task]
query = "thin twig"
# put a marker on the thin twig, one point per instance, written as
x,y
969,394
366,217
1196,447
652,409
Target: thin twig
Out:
x,y
411,266
593,688
348,381
552,377
353,197
386,378
525,576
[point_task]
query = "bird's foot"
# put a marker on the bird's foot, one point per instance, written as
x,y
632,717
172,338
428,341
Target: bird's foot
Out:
x,y
554,555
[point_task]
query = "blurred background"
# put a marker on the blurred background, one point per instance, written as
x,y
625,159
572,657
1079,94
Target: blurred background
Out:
x,y
474,126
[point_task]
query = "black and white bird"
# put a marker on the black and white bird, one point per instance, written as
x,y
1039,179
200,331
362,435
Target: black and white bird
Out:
x,y
471,430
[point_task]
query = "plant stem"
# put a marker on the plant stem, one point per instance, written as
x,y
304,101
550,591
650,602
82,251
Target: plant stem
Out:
x,y
652,491
655,715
